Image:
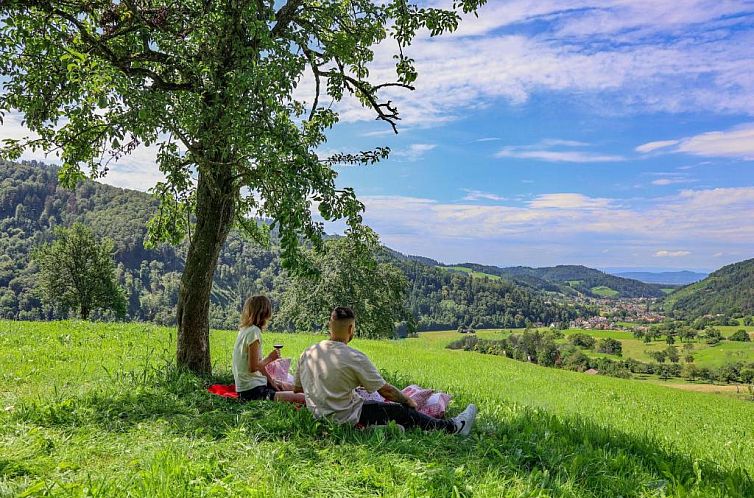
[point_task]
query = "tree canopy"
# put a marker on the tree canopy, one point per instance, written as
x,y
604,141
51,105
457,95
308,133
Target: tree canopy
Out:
x,y
350,275
212,85
77,271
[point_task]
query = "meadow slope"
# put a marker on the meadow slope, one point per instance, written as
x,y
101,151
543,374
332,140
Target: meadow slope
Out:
x,y
98,410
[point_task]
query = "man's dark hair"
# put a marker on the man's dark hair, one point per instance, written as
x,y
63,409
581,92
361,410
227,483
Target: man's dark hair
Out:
x,y
342,313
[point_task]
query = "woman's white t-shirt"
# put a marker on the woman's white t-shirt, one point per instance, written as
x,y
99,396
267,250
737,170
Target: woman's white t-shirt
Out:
x,y
245,379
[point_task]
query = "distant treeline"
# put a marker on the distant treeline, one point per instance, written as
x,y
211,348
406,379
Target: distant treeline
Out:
x,y
32,203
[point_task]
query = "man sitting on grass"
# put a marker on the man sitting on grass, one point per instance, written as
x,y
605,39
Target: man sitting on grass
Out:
x,y
329,372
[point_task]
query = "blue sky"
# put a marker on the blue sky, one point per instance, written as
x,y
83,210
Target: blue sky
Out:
x,y
608,133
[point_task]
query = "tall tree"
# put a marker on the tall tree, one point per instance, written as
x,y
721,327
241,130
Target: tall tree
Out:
x,y
349,275
211,84
78,271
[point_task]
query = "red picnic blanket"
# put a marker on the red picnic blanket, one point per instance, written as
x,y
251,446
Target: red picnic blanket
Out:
x,y
278,370
224,390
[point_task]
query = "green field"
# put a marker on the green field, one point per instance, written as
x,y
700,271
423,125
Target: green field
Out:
x,y
473,273
98,410
604,291
728,330
705,355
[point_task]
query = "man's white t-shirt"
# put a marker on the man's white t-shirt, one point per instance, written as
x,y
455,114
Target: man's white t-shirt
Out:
x,y
245,379
328,373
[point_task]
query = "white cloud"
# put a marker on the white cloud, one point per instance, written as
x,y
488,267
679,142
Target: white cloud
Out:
x,y
558,142
568,201
653,146
487,139
380,133
614,56
137,171
558,156
737,142
544,151
717,198
477,195
606,17
672,254
414,152
13,127
670,181
636,19
567,227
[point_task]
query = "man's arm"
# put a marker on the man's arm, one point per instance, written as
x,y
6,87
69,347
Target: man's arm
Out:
x,y
298,387
370,378
390,393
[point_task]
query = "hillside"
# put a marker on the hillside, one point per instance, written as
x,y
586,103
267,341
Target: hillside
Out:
x,y
101,412
728,291
571,279
32,203
684,277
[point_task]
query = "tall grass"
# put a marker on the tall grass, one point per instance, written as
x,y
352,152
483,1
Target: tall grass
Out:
x,y
100,410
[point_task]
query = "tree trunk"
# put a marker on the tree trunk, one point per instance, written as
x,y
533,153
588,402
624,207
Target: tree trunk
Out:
x,y
215,205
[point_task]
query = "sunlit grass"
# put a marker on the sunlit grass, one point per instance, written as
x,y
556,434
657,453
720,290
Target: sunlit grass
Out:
x,y
99,409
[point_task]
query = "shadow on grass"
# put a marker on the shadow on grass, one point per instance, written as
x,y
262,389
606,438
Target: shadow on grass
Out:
x,y
515,444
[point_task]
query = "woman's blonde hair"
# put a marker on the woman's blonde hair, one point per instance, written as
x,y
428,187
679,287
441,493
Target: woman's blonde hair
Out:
x,y
257,310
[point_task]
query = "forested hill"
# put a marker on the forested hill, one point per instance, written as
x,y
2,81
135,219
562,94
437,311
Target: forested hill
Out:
x,y
729,291
569,279
32,203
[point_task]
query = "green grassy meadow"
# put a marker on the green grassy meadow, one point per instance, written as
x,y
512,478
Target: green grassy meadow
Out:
x,y
473,273
604,291
90,409
705,355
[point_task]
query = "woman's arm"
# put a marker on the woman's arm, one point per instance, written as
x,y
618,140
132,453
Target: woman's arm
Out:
x,y
257,365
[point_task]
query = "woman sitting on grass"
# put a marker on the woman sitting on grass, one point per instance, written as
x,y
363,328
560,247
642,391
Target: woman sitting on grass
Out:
x,y
249,372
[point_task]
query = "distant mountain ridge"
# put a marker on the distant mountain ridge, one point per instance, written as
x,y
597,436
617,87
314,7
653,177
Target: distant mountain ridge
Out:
x,y
728,291
570,280
683,277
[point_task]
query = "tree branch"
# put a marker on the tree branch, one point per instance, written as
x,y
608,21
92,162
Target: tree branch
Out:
x,y
315,70
284,16
124,64
386,111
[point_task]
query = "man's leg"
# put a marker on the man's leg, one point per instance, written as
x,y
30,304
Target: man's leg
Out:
x,y
374,413
290,397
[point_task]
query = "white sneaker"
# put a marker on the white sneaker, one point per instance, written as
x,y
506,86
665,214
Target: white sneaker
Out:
x,y
465,420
